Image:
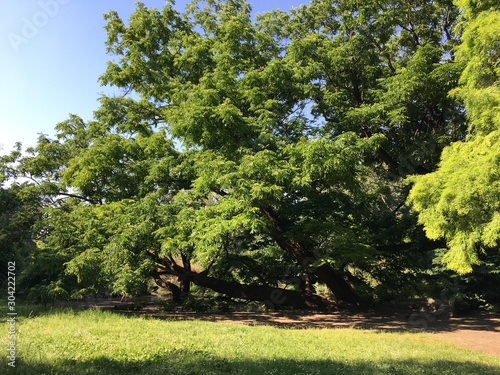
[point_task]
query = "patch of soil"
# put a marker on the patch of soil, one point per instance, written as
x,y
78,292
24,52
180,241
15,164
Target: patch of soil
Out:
x,y
479,331
484,341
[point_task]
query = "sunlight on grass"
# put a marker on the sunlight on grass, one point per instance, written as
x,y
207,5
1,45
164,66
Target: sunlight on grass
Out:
x,y
94,342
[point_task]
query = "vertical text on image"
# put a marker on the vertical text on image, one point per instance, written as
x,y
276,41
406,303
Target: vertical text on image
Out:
x,y
11,313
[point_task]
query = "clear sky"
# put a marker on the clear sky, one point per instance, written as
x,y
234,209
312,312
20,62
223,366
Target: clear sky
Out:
x,y
51,55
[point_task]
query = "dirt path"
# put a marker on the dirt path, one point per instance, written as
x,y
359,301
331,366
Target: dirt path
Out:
x,y
486,341
479,332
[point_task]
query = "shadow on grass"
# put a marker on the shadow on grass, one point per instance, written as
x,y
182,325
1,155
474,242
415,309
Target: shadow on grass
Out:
x,y
393,321
340,319
25,310
205,363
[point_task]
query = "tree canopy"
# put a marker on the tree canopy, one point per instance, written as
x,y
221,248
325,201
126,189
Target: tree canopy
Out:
x,y
264,158
460,201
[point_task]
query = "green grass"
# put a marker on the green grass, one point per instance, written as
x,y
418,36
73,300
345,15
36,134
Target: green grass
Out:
x,y
94,342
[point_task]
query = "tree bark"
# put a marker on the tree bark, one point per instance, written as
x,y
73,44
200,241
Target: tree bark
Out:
x,y
185,285
270,296
174,289
333,279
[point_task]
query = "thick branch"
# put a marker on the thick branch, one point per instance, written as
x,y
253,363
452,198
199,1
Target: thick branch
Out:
x,y
89,200
272,297
333,279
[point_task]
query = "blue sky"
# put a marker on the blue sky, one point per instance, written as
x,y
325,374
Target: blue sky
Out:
x,y
51,55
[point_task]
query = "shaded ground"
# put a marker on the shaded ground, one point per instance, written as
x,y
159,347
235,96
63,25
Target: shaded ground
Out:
x,y
479,331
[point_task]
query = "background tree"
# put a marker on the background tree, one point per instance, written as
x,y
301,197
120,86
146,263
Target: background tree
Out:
x,y
460,201
15,234
39,274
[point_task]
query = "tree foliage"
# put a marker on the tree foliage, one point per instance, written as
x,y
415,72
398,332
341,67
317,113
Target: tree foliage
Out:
x,y
461,200
261,158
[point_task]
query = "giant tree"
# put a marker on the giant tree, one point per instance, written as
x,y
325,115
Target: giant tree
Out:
x,y
254,158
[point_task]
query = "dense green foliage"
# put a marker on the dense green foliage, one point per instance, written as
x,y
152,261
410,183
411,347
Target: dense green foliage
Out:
x,y
263,158
15,223
461,200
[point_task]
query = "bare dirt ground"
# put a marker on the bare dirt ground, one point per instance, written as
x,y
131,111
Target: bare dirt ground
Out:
x,y
479,331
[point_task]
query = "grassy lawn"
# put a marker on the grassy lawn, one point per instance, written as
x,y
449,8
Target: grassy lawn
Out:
x,y
95,342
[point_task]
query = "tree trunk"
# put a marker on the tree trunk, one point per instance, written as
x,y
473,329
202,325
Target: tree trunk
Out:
x,y
336,282
185,285
174,289
272,297
333,279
